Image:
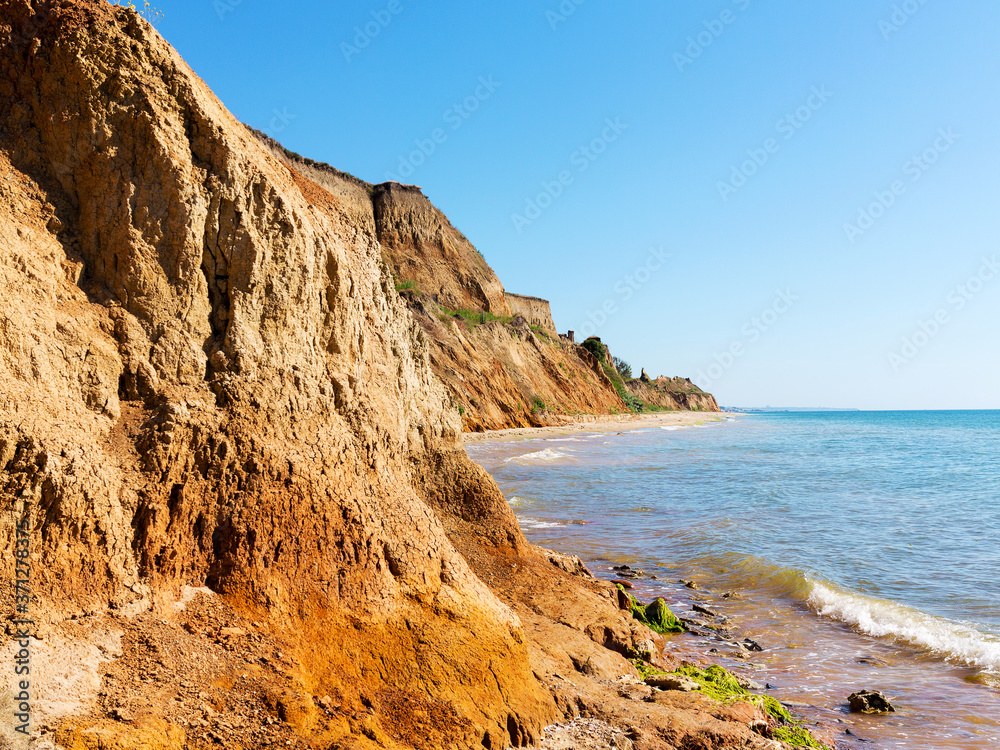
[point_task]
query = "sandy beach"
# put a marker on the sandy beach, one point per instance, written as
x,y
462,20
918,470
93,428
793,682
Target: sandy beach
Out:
x,y
598,423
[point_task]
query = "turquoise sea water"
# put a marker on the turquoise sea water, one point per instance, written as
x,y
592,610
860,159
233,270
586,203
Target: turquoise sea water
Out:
x,y
881,526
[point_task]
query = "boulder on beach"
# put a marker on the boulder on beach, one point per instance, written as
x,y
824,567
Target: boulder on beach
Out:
x,y
870,702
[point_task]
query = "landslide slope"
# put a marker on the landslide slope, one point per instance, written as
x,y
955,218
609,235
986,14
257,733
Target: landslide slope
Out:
x,y
207,378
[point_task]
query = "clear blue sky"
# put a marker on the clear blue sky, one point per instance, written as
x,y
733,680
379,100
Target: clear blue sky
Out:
x,y
819,107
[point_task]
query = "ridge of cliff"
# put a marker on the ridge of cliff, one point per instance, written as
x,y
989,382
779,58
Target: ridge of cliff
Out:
x,y
497,353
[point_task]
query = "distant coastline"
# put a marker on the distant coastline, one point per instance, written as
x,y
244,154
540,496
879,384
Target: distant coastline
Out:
x,y
764,409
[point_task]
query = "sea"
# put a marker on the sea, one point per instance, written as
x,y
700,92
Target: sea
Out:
x,y
861,549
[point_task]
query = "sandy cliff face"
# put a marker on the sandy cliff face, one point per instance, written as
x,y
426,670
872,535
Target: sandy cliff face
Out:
x,y
672,393
425,248
505,374
249,516
536,311
500,356
208,378
497,353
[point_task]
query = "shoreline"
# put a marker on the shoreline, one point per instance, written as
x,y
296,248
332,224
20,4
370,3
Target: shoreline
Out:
x,y
596,423
715,633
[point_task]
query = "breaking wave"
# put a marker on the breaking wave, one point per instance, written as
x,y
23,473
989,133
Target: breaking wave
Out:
x,y
543,455
951,640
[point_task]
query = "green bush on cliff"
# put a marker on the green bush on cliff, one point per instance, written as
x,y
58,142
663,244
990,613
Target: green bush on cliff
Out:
x,y
623,367
472,317
595,347
599,350
634,403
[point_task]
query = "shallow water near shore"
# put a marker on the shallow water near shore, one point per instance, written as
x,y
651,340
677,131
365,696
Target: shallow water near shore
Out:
x,y
862,548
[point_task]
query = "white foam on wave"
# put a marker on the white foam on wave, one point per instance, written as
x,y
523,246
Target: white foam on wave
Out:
x,y
948,639
562,440
543,455
537,523
671,428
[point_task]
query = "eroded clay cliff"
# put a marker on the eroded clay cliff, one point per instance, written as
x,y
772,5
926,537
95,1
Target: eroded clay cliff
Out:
x,y
208,378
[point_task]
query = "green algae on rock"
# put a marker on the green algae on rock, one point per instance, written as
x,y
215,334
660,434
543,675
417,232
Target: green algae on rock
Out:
x,y
659,618
656,615
798,737
716,682
721,684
